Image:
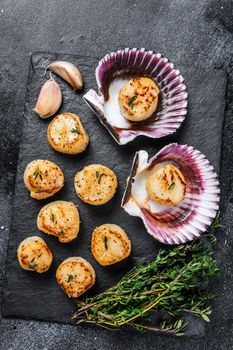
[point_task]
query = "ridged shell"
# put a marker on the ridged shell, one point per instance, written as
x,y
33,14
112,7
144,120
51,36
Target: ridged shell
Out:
x,y
132,62
188,220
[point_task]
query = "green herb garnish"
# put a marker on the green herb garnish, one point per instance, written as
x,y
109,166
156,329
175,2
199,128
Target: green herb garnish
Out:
x,y
106,242
36,173
74,131
131,101
171,284
31,265
61,233
171,186
70,278
99,176
52,217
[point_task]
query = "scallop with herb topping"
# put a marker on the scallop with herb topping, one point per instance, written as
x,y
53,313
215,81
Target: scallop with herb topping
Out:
x,y
43,178
34,255
96,184
66,134
110,244
138,98
75,276
167,185
60,219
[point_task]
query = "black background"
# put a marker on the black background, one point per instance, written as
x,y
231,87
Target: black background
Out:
x,y
197,34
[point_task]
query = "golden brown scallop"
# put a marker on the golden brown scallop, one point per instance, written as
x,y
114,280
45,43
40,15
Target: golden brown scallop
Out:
x,y
110,244
75,276
43,178
138,98
34,255
96,184
60,219
66,134
166,186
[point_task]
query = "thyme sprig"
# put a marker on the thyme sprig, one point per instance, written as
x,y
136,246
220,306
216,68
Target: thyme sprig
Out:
x,y
172,283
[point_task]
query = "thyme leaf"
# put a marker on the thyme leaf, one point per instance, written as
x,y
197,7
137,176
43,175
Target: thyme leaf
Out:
x,y
74,131
70,278
99,176
106,242
35,174
131,101
52,217
31,265
171,186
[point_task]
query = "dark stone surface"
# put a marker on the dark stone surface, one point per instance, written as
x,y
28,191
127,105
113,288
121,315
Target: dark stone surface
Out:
x,y
192,33
44,300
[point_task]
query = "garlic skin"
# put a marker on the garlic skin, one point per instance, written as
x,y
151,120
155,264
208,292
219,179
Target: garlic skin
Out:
x,y
49,99
69,72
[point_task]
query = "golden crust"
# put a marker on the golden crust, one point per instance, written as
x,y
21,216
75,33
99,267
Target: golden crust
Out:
x,y
34,255
60,219
110,244
66,134
75,276
43,178
96,184
166,186
138,98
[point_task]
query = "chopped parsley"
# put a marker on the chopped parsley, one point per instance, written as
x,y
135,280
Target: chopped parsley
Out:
x,y
131,101
171,186
70,278
106,242
61,233
74,131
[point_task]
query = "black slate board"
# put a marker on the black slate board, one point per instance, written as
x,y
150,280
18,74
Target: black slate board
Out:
x,y
29,295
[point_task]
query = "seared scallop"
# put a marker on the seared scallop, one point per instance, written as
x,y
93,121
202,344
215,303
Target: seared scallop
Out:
x,y
110,244
34,254
96,184
60,219
138,98
66,134
75,276
167,185
43,178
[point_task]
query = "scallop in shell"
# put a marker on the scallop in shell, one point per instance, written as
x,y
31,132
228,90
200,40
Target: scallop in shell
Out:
x,y
191,185
163,115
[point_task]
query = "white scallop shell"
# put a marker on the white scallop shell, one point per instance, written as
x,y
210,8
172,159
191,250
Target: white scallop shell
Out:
x,y
114,70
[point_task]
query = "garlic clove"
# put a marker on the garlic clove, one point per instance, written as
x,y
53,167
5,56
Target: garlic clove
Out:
x,y
69,72
49,99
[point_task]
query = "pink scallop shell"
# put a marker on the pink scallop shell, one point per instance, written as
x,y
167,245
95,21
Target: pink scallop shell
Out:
x,y
193,216
173,93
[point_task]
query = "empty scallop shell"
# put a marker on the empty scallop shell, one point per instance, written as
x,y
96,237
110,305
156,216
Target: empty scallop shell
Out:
x,y
114,70
193,215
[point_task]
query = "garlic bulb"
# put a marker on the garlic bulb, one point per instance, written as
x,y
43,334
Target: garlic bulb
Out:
x,y
69,72
49,99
